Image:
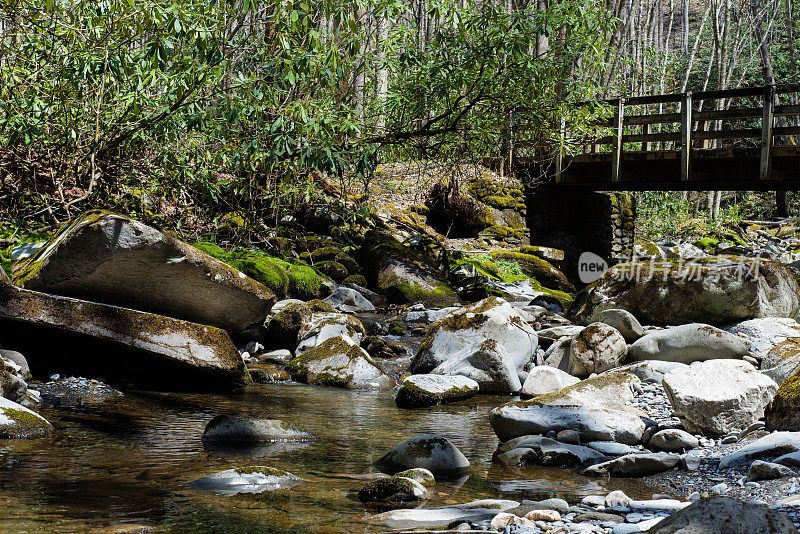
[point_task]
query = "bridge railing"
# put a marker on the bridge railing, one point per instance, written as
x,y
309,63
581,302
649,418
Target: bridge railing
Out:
x,y
752,120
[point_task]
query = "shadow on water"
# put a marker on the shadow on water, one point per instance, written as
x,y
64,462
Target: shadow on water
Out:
x,y
123,464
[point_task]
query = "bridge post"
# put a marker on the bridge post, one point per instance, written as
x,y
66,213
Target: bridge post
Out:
x,y
686,136
599,222
765,168
616,154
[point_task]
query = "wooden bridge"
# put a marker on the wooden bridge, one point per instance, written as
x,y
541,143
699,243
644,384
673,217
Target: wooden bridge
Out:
x,y
737,139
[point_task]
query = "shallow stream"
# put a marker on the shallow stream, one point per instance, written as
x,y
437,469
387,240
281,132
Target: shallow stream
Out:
x,y
123,465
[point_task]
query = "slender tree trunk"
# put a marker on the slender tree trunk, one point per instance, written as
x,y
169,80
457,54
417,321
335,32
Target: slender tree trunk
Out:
x,y
382,75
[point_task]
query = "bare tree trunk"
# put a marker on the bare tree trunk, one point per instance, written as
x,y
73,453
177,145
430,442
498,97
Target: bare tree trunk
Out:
x,y
685,29
382,75
763,42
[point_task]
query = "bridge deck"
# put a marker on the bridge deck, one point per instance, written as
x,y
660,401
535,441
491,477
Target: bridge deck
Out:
x,y
704,143
725,169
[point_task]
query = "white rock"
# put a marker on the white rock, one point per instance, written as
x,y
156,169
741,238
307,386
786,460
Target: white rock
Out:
x,y
324,326
718,396
545,379
489,319
487,363
599,347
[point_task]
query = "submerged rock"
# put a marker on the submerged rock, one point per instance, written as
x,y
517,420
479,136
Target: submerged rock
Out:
x,y
108,258
441,517
339,362
17,421
226,429
489,319
717,396
430,390
75,336
719,290
428,451
252,479
688,343
396,489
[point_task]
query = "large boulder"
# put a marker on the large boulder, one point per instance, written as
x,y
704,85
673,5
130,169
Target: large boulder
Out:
x,y
487,363
783,413
491,318
688,343
717,290
339,362
17,421
594,408
724,515
403,274
592,422
766,332
430,390
597,348
718,396
427,451
348,300
769,446
112,259
90,339
782,361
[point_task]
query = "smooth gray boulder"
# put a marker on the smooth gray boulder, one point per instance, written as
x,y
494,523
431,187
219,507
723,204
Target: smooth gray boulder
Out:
x,y
545,379
724,515
348,300
624,322
18,359
718,290
673,440
557,354
592,422
488,363
17,421
489,319
430,390
718,396
688,343
107,258
226,429
73,336
597,348
251,479
339,362
428,451
634,465
769,446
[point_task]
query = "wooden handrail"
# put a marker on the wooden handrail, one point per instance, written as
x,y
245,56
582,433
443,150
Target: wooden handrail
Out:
x,y
686,118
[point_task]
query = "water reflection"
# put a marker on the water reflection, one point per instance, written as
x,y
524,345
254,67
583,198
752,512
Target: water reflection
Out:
x,y
126,463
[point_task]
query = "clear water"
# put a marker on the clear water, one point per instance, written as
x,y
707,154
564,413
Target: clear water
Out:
x,y
123,465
